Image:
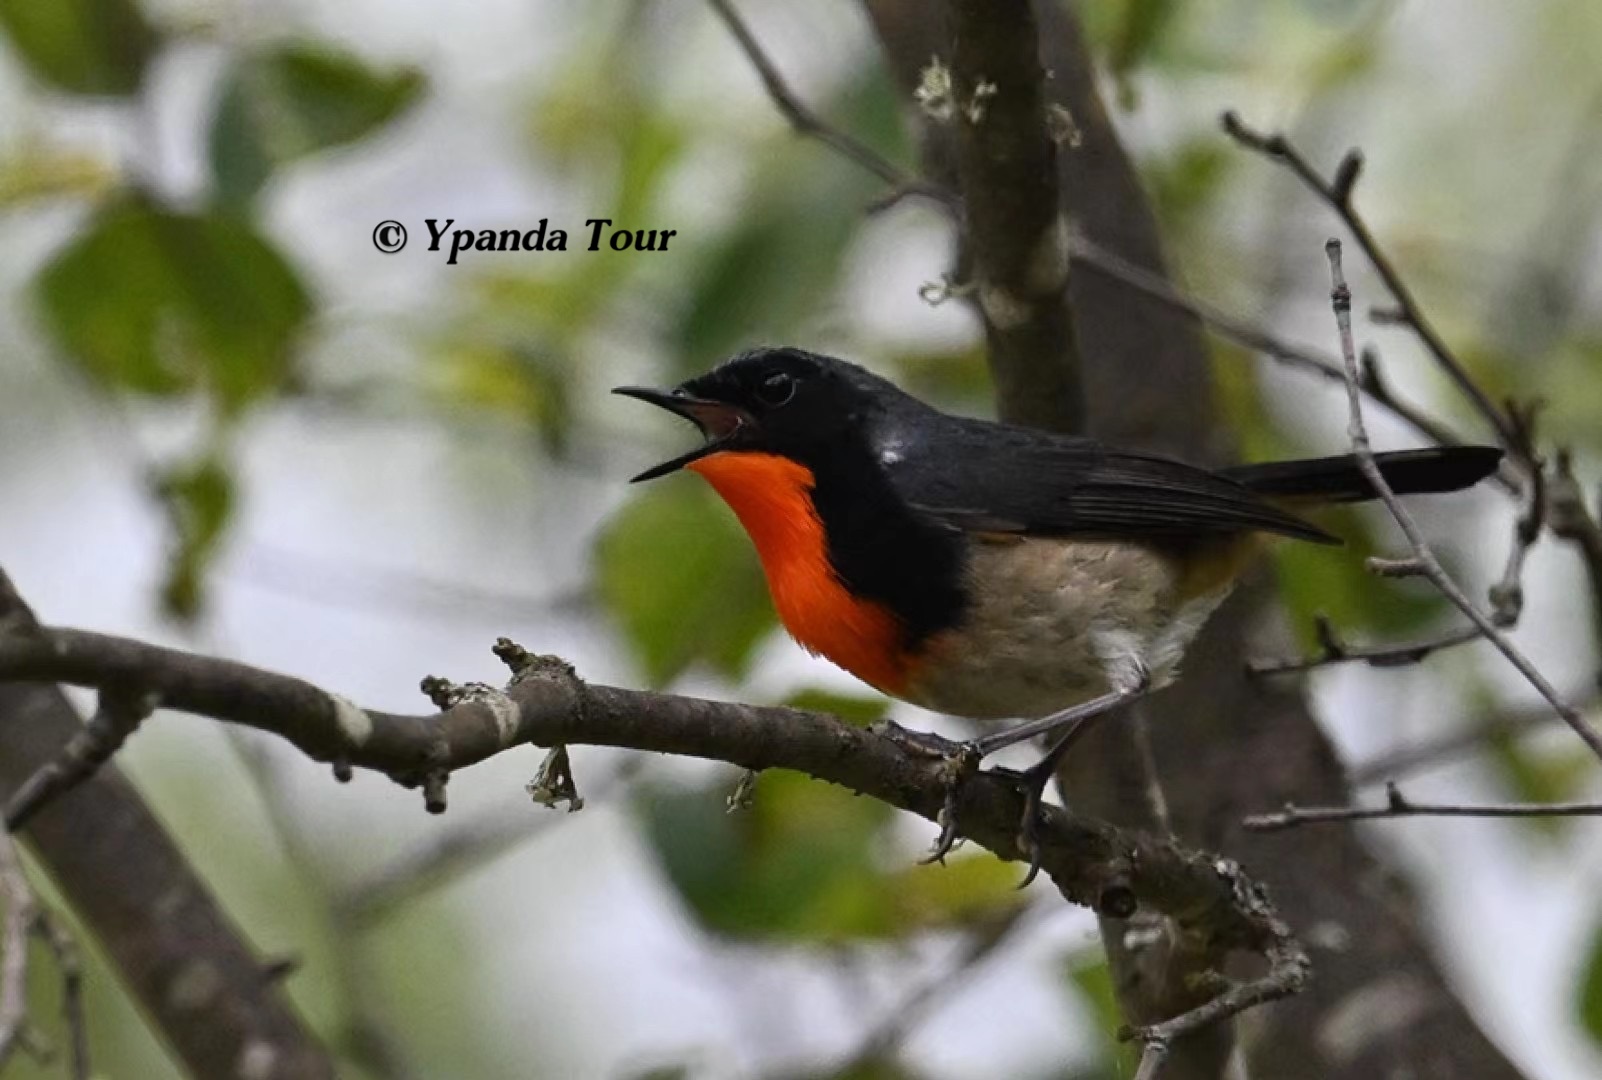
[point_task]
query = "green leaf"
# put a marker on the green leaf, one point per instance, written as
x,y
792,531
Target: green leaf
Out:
x,y
97,47
677,572
294,100
199,500
156,302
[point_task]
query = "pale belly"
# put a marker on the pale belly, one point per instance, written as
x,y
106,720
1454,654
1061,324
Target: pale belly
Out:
x,y
1056,622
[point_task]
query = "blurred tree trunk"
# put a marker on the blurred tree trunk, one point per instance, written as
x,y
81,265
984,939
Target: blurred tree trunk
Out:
x,y
1223,745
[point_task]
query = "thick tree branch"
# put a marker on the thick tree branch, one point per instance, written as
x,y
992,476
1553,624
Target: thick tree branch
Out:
x,y
1014,234
1092,863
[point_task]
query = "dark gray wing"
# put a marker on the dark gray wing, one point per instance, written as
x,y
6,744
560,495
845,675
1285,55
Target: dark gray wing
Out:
x,y
983,477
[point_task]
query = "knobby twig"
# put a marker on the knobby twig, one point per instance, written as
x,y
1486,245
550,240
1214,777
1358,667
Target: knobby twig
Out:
x,y
548,705
1398,805
119,715
1422,560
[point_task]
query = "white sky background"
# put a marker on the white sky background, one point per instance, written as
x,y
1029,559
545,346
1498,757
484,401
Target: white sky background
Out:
x,y
585,964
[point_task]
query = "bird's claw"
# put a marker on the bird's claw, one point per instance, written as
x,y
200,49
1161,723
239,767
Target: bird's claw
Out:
x,y
959,763
1031,784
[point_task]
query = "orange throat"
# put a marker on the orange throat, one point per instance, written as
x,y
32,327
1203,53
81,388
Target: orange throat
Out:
x,y
772,497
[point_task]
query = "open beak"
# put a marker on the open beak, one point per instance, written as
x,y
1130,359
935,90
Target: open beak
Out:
x,y
718,421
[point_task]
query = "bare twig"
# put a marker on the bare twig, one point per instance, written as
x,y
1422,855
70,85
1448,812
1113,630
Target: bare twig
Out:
x,y
1337,192
1333,649
1423,560
807,123
1152,1059
1398,805
1287,972
119,715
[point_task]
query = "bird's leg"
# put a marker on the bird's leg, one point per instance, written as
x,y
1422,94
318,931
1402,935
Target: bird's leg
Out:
x,y
962,761
1070,724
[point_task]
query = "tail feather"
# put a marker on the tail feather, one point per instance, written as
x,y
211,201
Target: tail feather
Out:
x,y
1340,479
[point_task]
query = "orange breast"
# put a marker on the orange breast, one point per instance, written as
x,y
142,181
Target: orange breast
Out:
x,y
772,497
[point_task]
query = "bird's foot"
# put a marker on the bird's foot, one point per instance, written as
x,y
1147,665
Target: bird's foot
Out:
x,y
959,761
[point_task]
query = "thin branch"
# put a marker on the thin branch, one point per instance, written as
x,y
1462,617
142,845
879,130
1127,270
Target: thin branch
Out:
x,y
807,123
1152,1059
1423,561
1333,649
1398,805
119,715
1337,193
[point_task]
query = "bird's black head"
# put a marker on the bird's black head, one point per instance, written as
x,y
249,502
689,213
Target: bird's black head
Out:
x,y
778,401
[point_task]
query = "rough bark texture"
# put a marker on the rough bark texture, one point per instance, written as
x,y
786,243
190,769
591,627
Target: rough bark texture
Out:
x,y
177,953
1224,746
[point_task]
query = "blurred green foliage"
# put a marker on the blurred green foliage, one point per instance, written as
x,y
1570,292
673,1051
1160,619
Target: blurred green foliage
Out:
x,y
297,99
803,863
676,571
153,301
95,47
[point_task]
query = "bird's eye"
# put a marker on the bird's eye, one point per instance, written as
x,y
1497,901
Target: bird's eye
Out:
x,y
776,389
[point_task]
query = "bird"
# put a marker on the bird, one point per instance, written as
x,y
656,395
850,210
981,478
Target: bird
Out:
x,y
1029,580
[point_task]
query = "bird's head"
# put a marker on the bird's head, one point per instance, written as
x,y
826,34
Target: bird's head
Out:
x,y
777,401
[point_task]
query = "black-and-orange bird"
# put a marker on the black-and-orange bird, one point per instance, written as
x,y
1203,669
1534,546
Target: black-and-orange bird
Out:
x,y
986,570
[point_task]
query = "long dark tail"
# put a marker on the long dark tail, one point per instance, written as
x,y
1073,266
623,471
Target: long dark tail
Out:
x,y
1338,479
